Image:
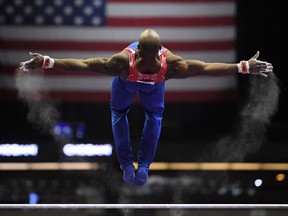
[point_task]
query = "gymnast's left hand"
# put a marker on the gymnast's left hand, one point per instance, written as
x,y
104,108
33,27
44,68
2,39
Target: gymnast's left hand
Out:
x,y
35,62
258,67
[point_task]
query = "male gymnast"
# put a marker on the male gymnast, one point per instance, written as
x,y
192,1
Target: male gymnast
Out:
x,y
142,68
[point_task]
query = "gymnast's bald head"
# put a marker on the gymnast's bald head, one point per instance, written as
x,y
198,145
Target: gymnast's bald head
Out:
x,y
149,41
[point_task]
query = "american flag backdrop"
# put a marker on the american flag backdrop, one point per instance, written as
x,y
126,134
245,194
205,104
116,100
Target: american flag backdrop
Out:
x,y
194,29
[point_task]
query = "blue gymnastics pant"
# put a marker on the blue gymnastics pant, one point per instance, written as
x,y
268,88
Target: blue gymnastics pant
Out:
x,y
123,93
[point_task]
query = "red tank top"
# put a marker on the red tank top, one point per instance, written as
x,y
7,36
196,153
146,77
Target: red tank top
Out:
x,y
136,76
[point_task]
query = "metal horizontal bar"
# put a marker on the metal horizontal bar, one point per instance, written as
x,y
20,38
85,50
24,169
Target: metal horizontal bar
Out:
x,y
143,206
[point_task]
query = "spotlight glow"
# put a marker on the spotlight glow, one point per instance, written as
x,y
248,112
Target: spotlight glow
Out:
x,y
280,177
258,182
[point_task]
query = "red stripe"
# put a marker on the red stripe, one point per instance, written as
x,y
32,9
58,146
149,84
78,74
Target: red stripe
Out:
x,y
56,72
104,97
167,1
112,46
200,97
172,22
11,70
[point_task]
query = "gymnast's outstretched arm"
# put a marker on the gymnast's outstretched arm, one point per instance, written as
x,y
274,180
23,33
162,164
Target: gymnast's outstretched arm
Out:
x,y
177,67
115,65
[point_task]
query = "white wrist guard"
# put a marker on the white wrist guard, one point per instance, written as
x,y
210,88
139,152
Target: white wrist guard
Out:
x,y
48,62
243,67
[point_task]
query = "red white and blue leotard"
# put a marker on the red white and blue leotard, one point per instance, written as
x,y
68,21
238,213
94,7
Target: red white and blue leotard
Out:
x,y
136,76
150,88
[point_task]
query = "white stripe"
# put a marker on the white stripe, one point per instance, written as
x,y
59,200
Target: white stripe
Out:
x,y
202,83
148,83
228,56
170,9
56,83
115,34
66,83
11,57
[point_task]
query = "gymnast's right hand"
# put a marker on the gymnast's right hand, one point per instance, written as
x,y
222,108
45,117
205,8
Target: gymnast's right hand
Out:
x,y
35,62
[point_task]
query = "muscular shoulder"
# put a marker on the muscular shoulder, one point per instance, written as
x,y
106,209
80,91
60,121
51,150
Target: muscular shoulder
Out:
x,y
175,66
118,60
120,57
118,63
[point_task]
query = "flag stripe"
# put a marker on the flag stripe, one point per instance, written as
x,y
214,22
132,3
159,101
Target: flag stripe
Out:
x,y
104,97
116,34
110,46
103,83
172,22
130,9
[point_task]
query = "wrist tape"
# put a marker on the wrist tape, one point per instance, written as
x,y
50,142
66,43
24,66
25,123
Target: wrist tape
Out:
x,y
48,62
243,67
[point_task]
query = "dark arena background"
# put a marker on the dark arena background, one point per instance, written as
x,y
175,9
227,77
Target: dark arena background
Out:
x,y
223,140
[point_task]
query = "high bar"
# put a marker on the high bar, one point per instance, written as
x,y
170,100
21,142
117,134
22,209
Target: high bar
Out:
x,y
143,206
